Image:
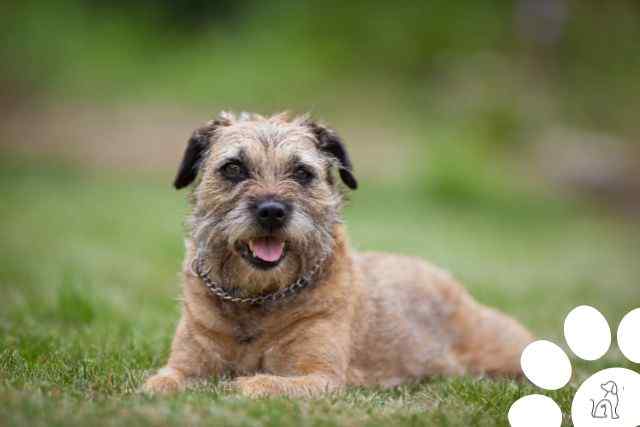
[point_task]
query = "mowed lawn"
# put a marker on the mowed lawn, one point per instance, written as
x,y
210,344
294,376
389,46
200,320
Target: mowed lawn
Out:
x,y
89,291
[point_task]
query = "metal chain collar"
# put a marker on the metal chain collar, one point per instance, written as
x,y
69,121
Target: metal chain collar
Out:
x,y
278,295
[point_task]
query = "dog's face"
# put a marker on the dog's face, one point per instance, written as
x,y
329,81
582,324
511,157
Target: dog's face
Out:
x,y
609,387
266,200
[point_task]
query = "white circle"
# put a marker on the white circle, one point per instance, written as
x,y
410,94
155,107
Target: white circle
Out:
x,y
608,398
546,365
535,410
629,335
587,333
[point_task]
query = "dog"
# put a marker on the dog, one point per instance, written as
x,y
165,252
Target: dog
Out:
x,y
607,407
273,296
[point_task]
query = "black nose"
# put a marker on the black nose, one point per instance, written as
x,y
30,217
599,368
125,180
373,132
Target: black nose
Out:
x,y
272,214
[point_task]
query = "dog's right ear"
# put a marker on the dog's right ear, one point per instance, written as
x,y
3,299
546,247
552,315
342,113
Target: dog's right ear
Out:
x,y
197,147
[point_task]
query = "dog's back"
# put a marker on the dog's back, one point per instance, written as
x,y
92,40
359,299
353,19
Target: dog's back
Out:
x,y
421,322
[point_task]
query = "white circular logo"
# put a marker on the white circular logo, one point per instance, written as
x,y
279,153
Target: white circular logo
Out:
x,y
610,397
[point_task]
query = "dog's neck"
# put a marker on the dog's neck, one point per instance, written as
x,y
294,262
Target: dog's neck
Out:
x,y
228,295
228,289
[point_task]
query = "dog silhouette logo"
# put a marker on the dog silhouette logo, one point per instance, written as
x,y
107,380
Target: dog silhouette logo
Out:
x,y
607,407
608,398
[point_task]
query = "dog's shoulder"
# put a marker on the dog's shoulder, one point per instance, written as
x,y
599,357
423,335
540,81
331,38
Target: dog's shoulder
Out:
x,y
405,278
391,267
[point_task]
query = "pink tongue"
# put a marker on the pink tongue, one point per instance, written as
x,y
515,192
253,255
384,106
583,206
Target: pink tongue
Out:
x,y
267,248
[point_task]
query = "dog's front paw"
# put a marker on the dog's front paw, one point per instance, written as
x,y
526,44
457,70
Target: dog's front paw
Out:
x,y
257,386
164,383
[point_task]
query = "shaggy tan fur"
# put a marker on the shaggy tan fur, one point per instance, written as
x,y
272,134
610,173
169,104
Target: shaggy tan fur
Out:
x,y
367,319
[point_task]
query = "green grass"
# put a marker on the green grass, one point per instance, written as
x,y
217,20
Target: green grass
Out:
x,y
88,282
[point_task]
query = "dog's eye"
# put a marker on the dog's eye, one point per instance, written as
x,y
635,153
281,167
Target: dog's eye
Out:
x,y
303,175
234,171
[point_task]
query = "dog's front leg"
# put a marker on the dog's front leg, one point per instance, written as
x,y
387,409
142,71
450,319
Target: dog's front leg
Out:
x,y
188,360
311,385
308,363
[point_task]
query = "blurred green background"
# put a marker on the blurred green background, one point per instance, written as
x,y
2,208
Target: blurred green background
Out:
x,y
498,139
496,90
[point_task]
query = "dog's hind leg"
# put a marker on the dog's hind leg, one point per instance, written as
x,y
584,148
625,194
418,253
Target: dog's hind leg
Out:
x,y
490,342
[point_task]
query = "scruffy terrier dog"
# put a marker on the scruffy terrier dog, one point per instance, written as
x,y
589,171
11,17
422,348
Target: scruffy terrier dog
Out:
x,y
274,296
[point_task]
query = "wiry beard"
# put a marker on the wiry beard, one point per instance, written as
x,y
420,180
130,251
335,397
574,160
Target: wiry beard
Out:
x,y
216,235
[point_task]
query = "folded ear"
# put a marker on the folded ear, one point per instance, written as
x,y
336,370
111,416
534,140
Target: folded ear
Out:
x,y
197,146
330,143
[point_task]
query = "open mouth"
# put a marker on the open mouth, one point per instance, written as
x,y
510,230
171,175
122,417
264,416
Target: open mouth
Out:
x,y
263,252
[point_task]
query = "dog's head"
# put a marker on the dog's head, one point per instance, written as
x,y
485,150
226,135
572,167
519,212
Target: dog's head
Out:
x,y
609,387
265,201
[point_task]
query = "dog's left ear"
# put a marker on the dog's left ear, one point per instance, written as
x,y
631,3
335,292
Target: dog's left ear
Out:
x,y
197,146
331,143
